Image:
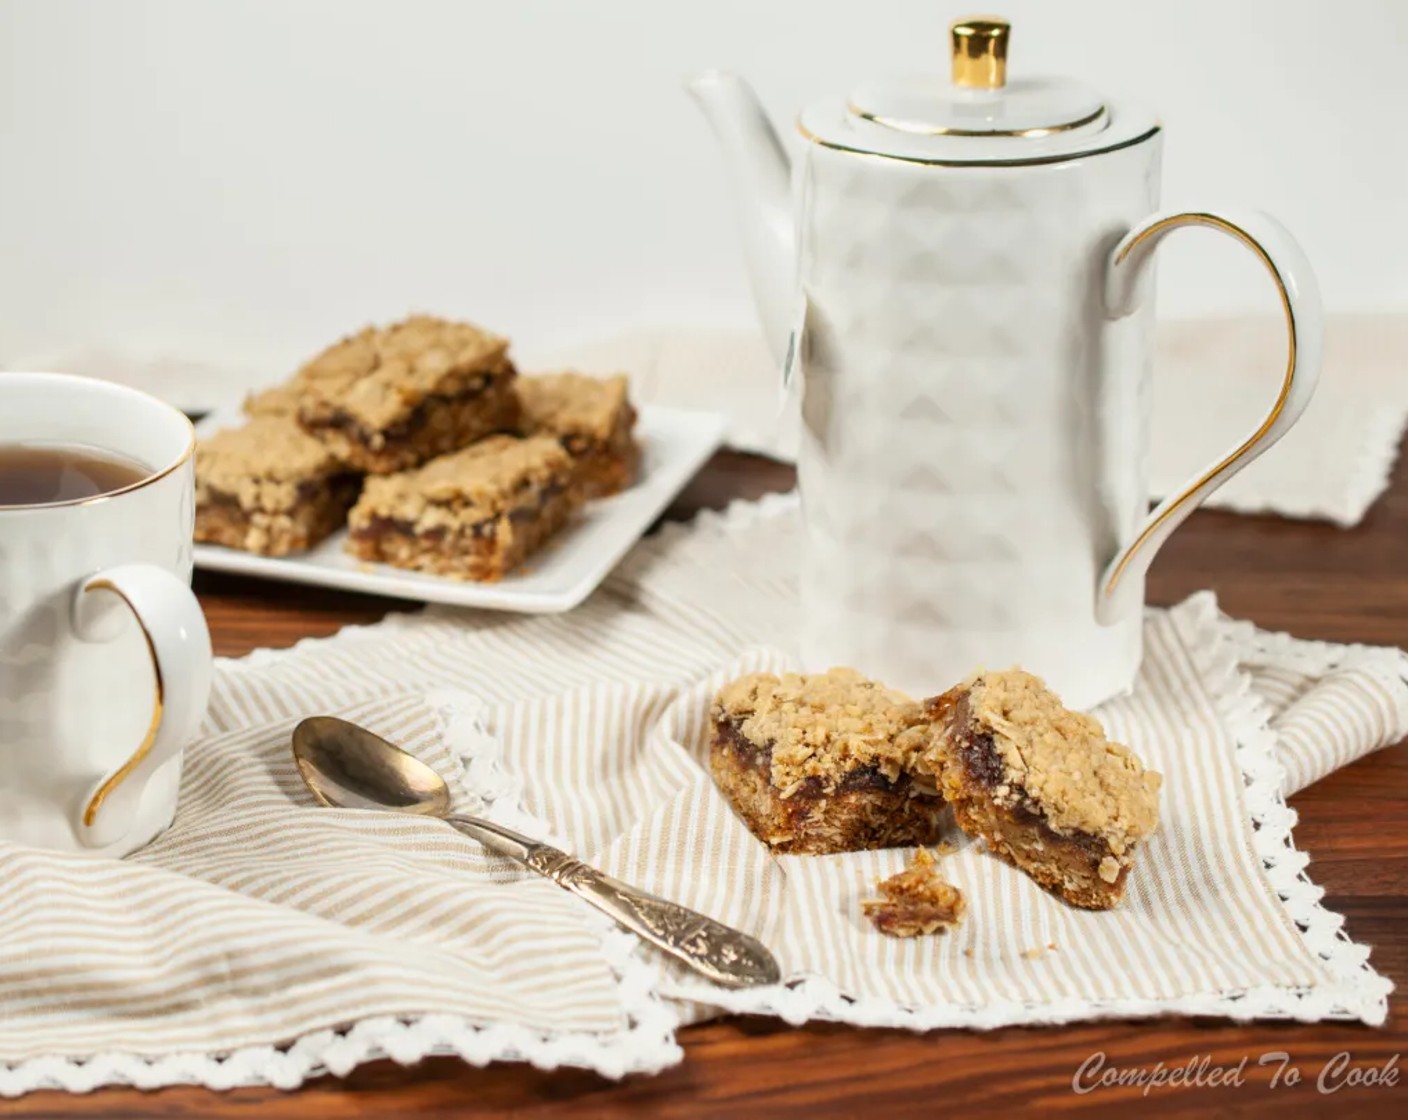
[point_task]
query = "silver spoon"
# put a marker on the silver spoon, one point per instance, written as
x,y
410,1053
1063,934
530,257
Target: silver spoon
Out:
x,y
349,767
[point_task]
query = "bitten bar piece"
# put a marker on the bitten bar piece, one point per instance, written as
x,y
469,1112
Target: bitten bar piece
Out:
x,y
822,763
474,514
915,902
388,399
593,419
270,488
1041,785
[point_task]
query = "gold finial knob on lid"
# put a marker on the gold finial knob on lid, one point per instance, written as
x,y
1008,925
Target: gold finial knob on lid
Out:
x,y
980,52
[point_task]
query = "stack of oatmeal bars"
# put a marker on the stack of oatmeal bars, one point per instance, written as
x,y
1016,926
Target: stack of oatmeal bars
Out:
x,y
423,439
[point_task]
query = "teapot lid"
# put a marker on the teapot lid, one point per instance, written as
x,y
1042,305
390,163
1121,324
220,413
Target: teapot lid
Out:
x,y
977,116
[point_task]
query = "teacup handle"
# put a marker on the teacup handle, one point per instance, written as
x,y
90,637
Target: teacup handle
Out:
x,y
1127,280
179,643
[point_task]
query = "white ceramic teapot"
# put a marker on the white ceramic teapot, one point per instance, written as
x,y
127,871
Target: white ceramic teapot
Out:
x,y
961,270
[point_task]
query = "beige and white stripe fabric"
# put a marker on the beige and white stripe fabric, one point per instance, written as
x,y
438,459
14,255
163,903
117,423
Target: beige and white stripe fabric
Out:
x,y
265,940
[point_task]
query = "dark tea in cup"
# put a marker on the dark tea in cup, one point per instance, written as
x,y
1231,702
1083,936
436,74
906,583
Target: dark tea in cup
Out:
x,y
44,474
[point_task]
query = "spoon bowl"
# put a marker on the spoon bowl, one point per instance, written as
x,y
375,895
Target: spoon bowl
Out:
x,y
345,766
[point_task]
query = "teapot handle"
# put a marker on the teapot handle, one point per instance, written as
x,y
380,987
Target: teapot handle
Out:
x,y
1127,279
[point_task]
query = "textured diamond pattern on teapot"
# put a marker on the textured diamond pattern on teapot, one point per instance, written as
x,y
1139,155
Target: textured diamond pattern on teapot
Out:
x,y
959,460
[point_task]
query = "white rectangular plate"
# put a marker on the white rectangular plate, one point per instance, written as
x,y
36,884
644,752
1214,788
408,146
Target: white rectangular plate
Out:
x,y
675,443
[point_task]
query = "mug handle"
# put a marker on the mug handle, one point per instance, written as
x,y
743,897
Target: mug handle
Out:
x,y
1127,280
178,641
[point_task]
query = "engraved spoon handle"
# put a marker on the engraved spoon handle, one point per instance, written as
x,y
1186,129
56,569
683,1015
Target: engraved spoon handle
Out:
x,y
721,953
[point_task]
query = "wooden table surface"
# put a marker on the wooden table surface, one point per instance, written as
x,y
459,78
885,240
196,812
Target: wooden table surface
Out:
x,y
1313,580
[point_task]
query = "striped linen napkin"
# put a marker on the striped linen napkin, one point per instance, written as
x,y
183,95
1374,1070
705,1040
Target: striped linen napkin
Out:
x,y
263,940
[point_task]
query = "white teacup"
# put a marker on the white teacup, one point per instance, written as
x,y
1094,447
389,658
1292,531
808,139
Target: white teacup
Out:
x,y
105,659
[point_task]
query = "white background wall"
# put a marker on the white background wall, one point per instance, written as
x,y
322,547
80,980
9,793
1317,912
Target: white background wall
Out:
x,y
236,183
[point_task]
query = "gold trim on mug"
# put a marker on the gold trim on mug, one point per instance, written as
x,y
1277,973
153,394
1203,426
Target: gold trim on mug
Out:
x,y
90,812
146,480
1211,220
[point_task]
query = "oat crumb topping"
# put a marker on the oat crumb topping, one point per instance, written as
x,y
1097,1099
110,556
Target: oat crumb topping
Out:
x,y
476,483
1062,762
379,374
262,463
276,400
573,404
824,725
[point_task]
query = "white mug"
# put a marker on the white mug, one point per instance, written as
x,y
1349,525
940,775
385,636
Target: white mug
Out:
x,y
105,659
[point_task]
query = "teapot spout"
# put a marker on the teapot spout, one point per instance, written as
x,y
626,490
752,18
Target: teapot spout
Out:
x,y
760,174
